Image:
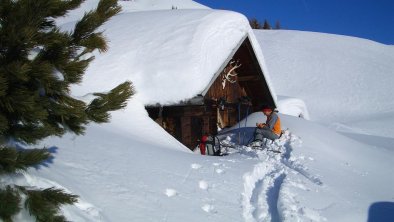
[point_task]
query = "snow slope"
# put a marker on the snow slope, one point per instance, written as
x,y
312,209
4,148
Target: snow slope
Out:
x,y
329,176
344,80
122,173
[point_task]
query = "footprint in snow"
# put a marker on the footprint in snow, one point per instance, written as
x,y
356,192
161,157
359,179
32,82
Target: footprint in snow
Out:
x,y
203,185
171,192
219,171
195,166
208,208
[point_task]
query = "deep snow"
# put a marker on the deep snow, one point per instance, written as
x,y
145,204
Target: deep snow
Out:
x,y
293,107
346,82
132,170
123,173
341,177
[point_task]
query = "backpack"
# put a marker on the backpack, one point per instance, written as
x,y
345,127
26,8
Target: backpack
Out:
x,y
210,145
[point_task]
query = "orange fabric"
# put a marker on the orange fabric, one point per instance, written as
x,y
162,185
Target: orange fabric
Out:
x,y
277,128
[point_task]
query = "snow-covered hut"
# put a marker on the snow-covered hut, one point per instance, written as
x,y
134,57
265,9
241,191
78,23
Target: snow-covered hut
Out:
x,y
194,70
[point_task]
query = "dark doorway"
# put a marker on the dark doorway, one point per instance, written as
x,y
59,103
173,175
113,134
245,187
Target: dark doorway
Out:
x,y
197,125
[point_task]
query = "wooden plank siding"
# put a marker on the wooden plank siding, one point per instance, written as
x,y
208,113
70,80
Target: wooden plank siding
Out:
x,y
232,91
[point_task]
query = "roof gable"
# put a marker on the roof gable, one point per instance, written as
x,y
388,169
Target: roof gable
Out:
x,y
169,55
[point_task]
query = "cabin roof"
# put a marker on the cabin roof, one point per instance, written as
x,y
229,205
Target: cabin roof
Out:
x,y
169,55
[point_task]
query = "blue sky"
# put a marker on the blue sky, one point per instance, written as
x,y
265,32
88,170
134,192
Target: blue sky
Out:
x,y
370,19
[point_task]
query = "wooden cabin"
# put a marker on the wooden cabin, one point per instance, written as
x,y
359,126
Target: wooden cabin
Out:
x,y
237,89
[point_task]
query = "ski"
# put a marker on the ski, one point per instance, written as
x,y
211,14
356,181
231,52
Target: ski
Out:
x,y
266,149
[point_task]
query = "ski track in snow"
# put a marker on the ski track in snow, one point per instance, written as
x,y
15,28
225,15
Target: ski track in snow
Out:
x,y
293,164
267,196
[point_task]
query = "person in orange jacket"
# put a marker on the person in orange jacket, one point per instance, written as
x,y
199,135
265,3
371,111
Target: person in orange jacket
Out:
x,y
271,129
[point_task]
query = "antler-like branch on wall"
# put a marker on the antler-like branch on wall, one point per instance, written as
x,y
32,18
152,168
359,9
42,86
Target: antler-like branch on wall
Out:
x,y
231,73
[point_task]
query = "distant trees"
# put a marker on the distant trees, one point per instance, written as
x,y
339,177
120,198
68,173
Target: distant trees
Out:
x,y
256,24
266,25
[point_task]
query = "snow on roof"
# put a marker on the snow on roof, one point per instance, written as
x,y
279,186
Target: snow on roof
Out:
x,y
169,55
131,6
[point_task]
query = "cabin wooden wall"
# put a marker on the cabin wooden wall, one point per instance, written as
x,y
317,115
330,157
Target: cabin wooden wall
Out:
x,y
196,121
251,76
186,123
232,91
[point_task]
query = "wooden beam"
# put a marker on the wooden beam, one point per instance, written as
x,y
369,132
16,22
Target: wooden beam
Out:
x,y
248,78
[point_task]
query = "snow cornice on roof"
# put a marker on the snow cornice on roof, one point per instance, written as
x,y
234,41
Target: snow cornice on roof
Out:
x,y
169,55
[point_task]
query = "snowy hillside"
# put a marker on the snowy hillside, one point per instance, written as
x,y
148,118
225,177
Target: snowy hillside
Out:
x,y
128,170
133,170
345,81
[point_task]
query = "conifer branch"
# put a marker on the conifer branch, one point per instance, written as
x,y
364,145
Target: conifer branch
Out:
x,y
9,204
98,110
45,204
13,160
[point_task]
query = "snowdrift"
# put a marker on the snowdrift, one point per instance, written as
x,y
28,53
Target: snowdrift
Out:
x,y
293,107
335,167
133,174
342,79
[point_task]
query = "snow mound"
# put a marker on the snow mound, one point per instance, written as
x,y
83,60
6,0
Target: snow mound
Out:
x,y
340,78
169,55
292,107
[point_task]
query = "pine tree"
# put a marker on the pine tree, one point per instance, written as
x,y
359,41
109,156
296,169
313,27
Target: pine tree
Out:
x,y
254,23
266,25
38,64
